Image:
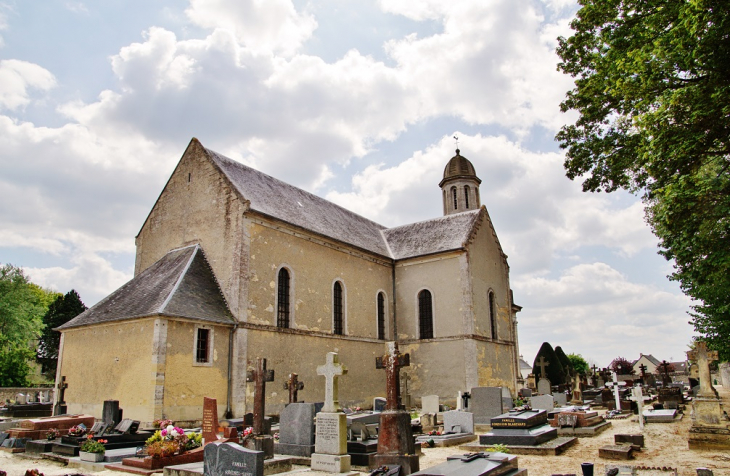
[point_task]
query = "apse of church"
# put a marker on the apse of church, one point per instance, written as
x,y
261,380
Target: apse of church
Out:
x,y
233,264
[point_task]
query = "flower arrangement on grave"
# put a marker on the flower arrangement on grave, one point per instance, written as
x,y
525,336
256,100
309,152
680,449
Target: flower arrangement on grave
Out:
x,y
93,446
247,434
33,472
276,436
434,433
172,440
161,423
52,434
76,430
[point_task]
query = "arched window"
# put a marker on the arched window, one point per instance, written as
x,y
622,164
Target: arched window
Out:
x,y
453,195
425,315
466,196
282,299
492,315
337,309
381,316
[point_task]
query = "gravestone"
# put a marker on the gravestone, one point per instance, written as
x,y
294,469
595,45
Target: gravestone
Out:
x,y
560,398
462,401
507,402
485,402
396,445
111,414
61,408
710,423
231,459
296,430
476,464
544,402
428,421
525,393
405,391
543,386
430,404
523,428
210,420
330,443
464,420
260,441
378,404
127,426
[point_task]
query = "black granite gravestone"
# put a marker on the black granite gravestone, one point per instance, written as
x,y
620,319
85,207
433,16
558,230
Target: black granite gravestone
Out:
x,y
523,428
476,464
231,459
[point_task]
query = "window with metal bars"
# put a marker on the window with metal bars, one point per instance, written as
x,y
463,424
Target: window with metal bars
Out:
x,y
466,196
381,316
337,309
202,346
282,303
425,315
453,195
492,315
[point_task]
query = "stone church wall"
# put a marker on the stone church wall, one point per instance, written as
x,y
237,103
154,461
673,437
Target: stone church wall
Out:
x,y
197,205
117,366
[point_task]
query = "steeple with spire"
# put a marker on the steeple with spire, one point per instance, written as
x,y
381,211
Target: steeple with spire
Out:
x,y
460,185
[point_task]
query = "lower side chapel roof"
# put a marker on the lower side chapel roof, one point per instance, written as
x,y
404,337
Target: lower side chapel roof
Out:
x,y
180,284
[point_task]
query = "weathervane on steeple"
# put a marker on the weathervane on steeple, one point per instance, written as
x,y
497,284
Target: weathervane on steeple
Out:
x,y
456,138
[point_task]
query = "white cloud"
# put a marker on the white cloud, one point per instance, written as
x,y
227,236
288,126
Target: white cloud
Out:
x,y
262,26
595,311
17,77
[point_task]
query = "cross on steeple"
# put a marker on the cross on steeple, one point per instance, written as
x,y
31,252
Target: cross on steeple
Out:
x,y
392,362
259,376
293,385
542,363
331,371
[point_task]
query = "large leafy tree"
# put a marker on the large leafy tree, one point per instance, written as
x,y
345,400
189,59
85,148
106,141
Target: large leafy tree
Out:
x,y
22,305
62,310
652,90
579,364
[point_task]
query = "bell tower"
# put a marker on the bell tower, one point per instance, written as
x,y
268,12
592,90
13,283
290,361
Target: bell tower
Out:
x,y
460,185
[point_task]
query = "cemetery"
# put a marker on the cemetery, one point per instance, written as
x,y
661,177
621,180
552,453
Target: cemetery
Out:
x,y
487,434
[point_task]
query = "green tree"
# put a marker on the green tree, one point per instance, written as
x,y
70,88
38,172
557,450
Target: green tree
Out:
x,y
579,364
22,305
652,90
62,310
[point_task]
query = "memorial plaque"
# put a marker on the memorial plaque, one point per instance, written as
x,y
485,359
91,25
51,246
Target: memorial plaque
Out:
x,y
331,433
231,459
522,419
210,420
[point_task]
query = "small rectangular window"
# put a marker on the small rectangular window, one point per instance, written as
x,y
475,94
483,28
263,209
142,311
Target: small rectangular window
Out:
x,y
202,346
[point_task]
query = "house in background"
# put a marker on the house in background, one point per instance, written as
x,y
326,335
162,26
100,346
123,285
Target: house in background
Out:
x,y
649,360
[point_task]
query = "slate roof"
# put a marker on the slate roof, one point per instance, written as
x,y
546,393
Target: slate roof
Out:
x,y
180,284
649,357
293,205
450,232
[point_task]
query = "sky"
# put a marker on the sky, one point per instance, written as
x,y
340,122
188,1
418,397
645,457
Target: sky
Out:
x,y
355,101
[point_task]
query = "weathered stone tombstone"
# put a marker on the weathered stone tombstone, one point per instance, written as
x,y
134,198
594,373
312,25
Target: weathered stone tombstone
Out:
x,y
296,430
330,444
560,398
544,387
379,404
577,393
260,441
486,403
463,420
710,424
525,393
430,404
507,402
293,385
395,437
543,402
232,459
405,392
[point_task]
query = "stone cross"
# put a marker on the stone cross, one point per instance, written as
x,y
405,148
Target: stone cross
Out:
x,y
392,362
664,368
293,385
703,357
616,384
638,396
542,363
62,386
405,394
331,371
259,376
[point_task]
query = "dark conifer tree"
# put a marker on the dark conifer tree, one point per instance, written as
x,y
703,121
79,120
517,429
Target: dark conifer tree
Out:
x,y
554,371
62,310
564,361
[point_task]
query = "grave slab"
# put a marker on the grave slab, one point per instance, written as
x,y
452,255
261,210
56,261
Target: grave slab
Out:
x,y
553,447
482,464
616,452
485,403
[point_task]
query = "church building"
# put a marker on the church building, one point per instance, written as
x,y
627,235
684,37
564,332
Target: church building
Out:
x,y
233,264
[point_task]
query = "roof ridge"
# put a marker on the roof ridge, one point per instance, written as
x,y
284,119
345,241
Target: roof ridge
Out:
x,y
179,278
441,218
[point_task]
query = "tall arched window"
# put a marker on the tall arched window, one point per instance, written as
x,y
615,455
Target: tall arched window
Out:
x,y
453,196
492,315
282,299
337,309
425,315
381,316
466,196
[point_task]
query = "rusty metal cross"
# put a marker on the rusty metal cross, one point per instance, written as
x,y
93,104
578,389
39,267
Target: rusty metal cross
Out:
x,y
259,376
293,385
392,361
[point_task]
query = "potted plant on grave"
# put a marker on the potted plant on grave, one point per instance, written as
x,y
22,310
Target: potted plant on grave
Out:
x,y
77,430
172,440
52,434
92,450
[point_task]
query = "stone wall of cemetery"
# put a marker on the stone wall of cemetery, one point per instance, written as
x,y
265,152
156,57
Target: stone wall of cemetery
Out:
x,y
118,366
186,381
197,205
